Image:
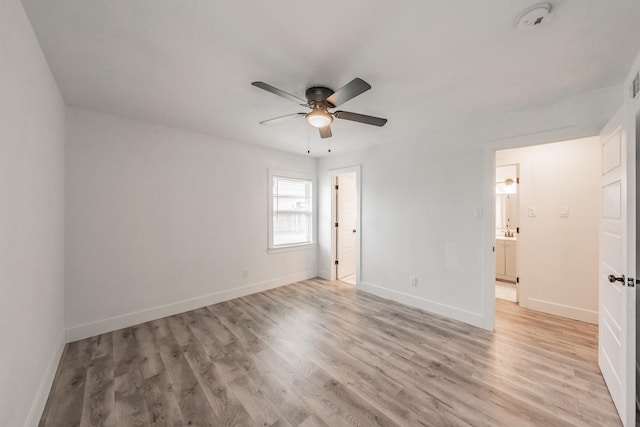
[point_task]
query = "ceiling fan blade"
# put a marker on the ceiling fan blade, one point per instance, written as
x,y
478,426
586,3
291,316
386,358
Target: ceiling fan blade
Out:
x,y
279,92
281,119
355,117
325,132
352,89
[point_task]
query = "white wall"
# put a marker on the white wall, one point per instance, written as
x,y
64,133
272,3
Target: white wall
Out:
x,y
31,221
161,220
417,218
419,197
558,257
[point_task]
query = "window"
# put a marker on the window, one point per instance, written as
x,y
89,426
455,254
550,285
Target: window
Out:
x,y
291,210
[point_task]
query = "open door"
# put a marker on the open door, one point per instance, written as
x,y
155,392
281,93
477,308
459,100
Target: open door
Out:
x,y
345,226
617,292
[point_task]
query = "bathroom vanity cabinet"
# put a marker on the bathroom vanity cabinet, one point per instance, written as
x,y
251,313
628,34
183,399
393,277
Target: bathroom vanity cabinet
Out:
x,y
506,258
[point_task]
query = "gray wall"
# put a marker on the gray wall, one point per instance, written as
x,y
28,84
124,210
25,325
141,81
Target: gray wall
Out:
x,y
31,221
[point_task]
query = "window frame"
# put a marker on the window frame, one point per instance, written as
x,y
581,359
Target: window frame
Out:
x,y
274,173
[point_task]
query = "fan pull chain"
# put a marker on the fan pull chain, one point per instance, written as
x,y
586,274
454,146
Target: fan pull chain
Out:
x,y
308,147
329,146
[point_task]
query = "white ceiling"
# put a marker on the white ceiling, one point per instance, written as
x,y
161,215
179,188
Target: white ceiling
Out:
x,y
431,63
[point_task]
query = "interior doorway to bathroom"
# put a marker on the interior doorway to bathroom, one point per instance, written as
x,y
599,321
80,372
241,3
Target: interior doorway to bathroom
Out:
x,y
507,214
552,255
345,226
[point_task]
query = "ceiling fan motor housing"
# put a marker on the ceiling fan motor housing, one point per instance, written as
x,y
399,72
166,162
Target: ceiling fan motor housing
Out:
x,y
317,94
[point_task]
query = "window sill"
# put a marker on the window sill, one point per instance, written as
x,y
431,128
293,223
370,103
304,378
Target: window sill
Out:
x,y
291,248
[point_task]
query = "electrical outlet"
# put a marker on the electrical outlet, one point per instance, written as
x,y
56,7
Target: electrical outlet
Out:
x,y
413,281
245,274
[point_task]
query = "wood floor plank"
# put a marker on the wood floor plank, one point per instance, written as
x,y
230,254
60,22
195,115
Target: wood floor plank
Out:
x,y
191,399
252,398
162,404
320,353
66,403
148,355
100,346
312,421
224,403
99,398
286,401
130,404
348,404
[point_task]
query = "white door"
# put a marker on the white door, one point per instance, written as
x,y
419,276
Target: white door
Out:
x,y
501,259
346,230
616,341
510,260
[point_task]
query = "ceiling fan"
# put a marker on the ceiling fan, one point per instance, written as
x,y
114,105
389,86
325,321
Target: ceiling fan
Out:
x,y
320,100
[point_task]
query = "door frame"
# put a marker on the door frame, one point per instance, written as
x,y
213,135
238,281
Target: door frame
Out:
x,y
488,202
351,170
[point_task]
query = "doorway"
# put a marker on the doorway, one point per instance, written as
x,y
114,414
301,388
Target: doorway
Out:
x,y
547,226
345,222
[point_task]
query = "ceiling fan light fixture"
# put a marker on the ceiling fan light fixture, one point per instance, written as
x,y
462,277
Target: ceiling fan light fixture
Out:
x,y
319,118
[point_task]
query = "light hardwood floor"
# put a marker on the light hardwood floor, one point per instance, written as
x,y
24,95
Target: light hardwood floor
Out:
x,y
320,353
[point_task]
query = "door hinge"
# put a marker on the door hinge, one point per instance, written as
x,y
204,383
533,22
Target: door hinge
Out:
x,y
517,280
335,262
518,180
336,224
336,186
493,249
518,230
631,282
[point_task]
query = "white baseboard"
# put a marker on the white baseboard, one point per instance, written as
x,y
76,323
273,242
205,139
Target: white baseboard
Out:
x,y
324,274
40,399
98,327
571,312
465,316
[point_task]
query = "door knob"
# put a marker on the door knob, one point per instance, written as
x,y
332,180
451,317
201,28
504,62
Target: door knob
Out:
x,y
614,279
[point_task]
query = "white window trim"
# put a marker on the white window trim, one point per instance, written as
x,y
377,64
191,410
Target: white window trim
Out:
x,y
298,246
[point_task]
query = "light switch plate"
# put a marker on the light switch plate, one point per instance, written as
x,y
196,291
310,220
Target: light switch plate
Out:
x,y
564,212
531,212
477,211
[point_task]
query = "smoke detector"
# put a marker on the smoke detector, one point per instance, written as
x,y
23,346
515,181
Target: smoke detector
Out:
x,y
534,16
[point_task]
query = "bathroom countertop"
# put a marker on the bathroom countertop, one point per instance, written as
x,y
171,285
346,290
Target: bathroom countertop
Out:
x,y
505,238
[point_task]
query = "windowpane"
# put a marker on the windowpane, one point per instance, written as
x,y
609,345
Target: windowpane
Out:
x,y
292,211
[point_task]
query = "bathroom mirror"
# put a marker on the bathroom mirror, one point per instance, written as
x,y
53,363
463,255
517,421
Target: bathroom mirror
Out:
x,y
507,201
506,211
